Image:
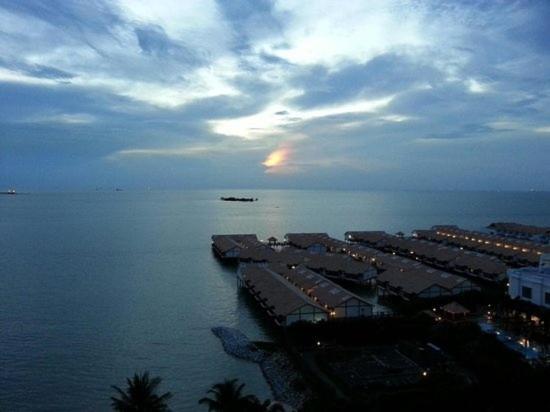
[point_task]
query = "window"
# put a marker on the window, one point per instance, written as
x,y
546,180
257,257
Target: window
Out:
x,y
526,292
547,298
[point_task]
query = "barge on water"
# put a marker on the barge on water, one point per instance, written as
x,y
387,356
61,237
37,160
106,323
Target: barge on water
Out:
x,y
238,199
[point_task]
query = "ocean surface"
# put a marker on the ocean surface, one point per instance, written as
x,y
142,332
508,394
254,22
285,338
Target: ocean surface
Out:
x,y
96,286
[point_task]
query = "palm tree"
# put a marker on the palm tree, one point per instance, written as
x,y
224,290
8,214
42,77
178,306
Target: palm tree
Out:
x,y
140,395
266,406
228,397
275,407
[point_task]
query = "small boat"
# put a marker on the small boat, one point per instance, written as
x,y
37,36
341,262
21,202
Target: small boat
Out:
x,y
9,192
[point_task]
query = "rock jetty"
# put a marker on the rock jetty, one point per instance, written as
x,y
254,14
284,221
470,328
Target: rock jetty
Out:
x,y
276,367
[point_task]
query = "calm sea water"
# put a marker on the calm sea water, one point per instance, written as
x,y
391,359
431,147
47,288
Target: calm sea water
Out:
x,y
96,286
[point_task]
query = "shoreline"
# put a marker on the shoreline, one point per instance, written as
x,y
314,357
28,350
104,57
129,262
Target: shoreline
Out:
x,y
276,367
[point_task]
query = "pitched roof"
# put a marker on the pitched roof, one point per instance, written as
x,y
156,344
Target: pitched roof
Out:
x,y
327,292
304,240
406,281
373,237
278,294
417,280
510,227
455,308
225,243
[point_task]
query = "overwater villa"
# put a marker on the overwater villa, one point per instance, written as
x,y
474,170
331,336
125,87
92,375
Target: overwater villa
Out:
x,y
279,298
520,231
511,251
448,258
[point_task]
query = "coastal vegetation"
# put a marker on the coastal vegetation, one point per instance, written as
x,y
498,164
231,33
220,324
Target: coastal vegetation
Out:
x,y
473,370
470,370
228,397
140,395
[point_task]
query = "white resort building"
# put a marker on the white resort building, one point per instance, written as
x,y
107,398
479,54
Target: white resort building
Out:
x,y
531,284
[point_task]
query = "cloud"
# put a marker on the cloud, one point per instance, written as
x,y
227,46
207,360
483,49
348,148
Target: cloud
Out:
x,y
11,76
396,82
474,86
272,120
214,149
328,34
111,60
66,118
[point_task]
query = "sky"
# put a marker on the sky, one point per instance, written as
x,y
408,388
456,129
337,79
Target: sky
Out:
x,y
170,94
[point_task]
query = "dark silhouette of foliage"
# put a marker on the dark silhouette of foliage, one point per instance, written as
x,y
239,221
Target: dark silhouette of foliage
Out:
x,y
140,395
228,397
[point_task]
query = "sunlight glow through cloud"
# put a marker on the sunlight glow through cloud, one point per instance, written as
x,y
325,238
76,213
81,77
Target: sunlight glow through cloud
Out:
x,y
277,160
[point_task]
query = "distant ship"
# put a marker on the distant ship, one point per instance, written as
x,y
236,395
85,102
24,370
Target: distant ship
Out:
x,y
238,199
9,192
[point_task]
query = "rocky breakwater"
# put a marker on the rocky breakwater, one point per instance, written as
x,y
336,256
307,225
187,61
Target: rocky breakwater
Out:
x,y
276,367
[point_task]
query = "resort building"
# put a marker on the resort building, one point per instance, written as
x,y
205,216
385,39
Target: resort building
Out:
x,y
401,271
332,265
281,300
454,311
519,231
531,284
448,258
341,267
421,283
315,253
372,238
513,252
315,242
340,302
312,242
307,265
245,247
258,254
